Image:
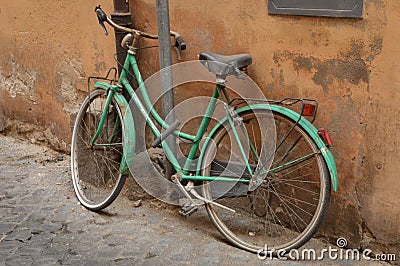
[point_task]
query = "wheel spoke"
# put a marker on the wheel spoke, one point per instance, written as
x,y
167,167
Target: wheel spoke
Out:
x,y
292,197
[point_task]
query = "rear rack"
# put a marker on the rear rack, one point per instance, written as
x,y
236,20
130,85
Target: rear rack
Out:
x,y
112,80
299,105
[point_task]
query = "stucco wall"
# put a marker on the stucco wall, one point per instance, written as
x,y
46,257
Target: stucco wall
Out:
x,y
47,50
350,65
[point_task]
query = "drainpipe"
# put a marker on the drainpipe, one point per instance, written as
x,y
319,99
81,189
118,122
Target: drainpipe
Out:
x,y
122,17
164,49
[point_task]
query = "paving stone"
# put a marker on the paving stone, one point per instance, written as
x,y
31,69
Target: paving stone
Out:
x,y
64,238
6,227
127,261
11,244
19,210
48,227
44,238
18,260
54,250
179,257
41,192
22,234
31,250
48,260
132,251
60,217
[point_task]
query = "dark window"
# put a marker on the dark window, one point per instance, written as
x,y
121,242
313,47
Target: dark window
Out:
x,y
325,8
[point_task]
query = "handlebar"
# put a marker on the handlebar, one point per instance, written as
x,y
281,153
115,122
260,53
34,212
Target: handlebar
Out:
x,y
179,42
102,17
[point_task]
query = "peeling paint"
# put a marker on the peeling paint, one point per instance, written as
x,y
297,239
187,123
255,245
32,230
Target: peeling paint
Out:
x,y
18,81
44,65
69,76
326,72
34,133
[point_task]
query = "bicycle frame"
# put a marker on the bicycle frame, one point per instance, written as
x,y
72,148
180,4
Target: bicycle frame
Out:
x,y
148,112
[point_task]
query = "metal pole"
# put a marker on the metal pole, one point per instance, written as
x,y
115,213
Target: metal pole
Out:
x,y
164,43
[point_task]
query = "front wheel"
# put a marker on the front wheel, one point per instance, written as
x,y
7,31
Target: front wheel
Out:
x,y
95,168
285,210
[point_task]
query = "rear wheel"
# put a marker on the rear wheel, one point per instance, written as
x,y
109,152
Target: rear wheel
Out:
x,y
286,209
96,168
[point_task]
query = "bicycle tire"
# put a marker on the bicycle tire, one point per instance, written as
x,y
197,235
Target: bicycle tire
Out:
x,y
95,172
261,229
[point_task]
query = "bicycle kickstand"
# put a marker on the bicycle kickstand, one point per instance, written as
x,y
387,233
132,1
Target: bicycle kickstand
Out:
x,y
188,209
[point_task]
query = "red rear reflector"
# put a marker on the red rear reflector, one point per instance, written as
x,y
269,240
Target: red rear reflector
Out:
x,y
309,109
324,134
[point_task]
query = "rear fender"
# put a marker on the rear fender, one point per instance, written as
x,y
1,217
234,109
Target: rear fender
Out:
x,y
303,122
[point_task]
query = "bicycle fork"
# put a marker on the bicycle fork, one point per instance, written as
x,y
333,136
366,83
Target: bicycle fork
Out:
x,y
103,117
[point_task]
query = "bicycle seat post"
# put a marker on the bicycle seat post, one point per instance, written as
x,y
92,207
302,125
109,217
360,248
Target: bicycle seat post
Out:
x,y
220,79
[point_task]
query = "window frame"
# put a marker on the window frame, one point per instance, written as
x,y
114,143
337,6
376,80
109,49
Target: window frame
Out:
x,y
323,8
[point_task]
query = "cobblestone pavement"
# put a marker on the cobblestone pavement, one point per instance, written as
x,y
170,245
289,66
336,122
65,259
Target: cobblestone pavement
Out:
x,y
42,222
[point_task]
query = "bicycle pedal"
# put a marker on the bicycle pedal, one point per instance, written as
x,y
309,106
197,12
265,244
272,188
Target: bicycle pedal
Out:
x,y
187,210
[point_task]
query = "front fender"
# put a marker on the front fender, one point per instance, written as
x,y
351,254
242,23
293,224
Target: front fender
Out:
x,y
303,122
128,126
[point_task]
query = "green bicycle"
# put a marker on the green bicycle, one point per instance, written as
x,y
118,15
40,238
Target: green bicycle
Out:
x,y
275,187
